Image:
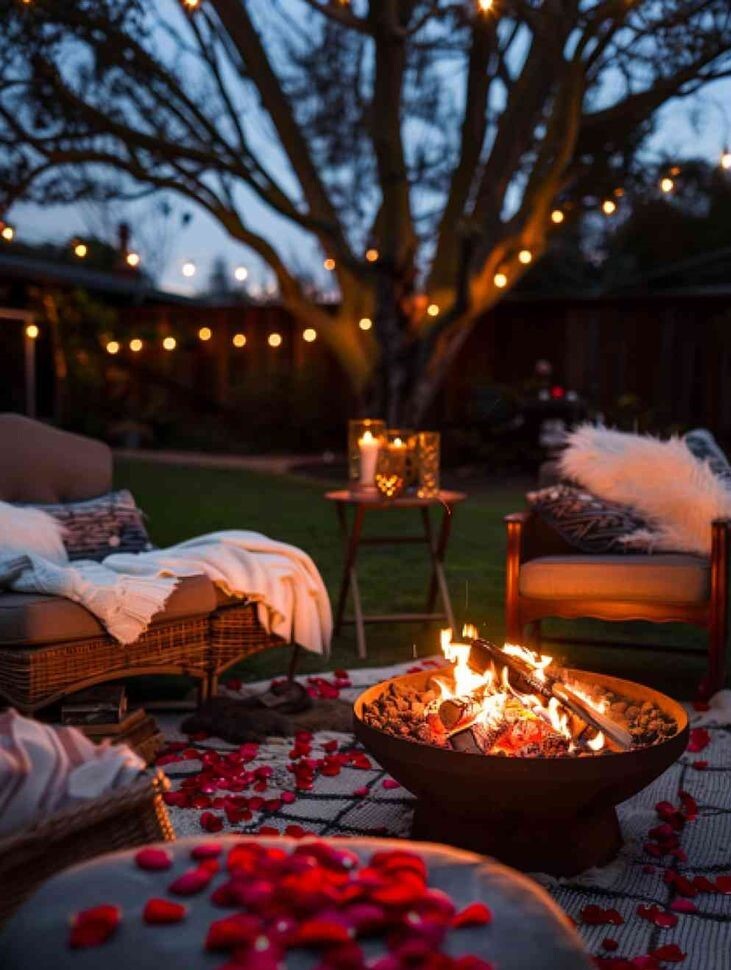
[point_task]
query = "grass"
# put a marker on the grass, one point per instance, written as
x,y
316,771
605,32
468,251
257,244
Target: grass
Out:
x,y
185,501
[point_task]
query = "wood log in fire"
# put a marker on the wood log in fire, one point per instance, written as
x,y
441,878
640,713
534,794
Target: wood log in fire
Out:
x,y
483,653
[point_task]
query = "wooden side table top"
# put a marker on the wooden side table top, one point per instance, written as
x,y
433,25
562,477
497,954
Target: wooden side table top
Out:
x,y
376,501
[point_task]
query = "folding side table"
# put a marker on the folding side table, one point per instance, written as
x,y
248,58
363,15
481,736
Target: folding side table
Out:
x,y
353,539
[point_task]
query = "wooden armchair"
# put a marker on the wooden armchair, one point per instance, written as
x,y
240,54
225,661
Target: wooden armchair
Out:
x,y
547,578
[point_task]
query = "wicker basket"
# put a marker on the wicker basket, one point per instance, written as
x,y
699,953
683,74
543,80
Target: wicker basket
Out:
x,y
118,820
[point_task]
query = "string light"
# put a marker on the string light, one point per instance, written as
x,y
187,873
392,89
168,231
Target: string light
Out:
x,y
113,347
433,310
32,331
667,184
205,333
329,264
609,207
485,5
525,256
241,273
192,4
135,345
557,217
372,255
726,160
80,250
169,343
8,233
309,335
133,259
274,339
500,280
365,323
189,268
239,340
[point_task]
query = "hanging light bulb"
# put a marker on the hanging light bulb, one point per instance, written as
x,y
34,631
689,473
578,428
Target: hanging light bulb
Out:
x,y
500,280
372,255
133,260
609,207
726,160
205,333
169,343
485,5
113,347
189,268
135,345
329,264
667,184
239,340
433,309
7,232
525,256
309,335
365,323
557,217
274,340
32,331
191,4
80,250
241,273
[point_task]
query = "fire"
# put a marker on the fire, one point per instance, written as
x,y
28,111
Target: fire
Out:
x,y
493,693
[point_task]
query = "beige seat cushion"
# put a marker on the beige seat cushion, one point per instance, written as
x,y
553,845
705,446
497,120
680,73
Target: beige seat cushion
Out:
x,y
33,620
672,578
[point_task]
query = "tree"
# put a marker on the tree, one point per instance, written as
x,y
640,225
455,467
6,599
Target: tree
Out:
x,y
422,144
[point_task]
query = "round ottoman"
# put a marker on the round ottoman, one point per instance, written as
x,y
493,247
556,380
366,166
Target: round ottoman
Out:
x,y
521,927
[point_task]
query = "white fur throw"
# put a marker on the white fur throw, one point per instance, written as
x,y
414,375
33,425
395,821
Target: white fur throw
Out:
x,y
662,481
30,531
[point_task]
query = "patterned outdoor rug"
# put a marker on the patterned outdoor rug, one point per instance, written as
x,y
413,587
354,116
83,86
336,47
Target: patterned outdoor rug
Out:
x,y
668,893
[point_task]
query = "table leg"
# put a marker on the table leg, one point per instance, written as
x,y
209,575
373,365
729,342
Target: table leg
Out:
x,y
438,579
350,578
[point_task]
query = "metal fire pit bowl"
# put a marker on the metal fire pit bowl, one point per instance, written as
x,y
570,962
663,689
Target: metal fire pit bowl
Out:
x,y
554,815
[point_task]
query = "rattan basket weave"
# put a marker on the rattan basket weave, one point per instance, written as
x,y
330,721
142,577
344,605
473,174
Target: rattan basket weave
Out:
x,y
121,819
236,633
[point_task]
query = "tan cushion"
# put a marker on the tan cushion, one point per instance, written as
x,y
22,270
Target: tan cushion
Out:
x,y
39,463
671,578
32,619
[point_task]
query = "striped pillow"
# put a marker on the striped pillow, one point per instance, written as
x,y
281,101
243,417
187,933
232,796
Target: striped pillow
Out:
x,y
97,527
585,521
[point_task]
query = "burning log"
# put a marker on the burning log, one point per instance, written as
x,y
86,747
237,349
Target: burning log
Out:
x,y
483,653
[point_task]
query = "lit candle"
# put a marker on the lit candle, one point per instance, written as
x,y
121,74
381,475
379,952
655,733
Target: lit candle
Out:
x,y
368,447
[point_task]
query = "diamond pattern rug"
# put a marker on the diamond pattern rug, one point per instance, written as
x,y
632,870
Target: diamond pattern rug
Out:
x,y
668,893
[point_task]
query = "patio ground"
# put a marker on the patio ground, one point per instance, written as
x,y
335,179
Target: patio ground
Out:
x,y
183,501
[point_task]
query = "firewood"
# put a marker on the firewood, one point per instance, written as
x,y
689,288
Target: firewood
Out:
x,y
483,653
458,714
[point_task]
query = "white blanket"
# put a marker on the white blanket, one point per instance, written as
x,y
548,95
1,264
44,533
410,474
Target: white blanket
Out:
x,y
126,590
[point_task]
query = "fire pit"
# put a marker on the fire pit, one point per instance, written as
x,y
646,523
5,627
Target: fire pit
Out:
x,y
543,797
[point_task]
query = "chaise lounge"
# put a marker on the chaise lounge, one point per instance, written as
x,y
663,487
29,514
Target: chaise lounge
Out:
x,y
50,646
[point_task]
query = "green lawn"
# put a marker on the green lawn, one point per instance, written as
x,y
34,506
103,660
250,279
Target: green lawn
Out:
x,y
182,502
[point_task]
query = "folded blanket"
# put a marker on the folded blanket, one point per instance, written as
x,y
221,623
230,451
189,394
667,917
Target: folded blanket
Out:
x,y
127,589
45,769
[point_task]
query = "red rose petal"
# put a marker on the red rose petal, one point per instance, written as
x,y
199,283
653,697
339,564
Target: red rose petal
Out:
x,y
390,783
241,929
609,944
92,927
361,792
319,932
699,765
659,917
190,882
153,859
670,953
161,911
476,914
681,905
210,822
723,885
598,916
206,850
699,739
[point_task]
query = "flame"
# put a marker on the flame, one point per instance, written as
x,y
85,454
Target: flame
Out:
x,y
493,689
538,663
597,743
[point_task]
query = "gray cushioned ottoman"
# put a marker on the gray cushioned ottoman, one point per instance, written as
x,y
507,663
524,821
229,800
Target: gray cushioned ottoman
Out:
x,y
527,931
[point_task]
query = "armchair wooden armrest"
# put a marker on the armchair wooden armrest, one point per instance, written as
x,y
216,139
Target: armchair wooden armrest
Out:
x,y
515,524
